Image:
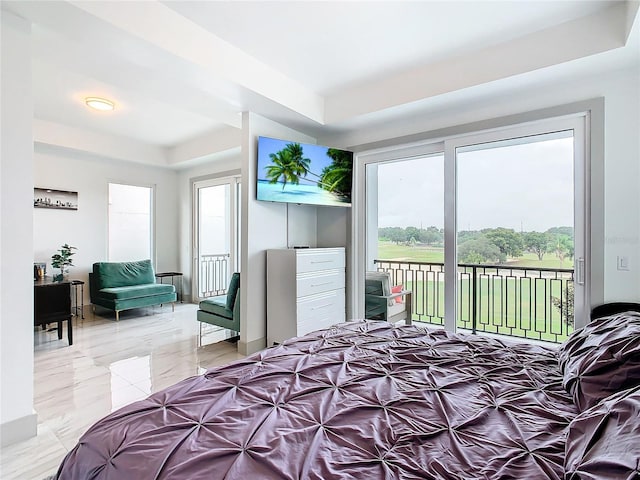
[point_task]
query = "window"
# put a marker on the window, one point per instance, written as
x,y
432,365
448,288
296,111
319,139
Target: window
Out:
x,y
129,223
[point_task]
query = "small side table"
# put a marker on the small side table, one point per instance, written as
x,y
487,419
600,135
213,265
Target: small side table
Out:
x,y
163,275
74,286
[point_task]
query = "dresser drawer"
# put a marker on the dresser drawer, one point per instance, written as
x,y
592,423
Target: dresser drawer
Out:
x,y
313,283
320,311
315,260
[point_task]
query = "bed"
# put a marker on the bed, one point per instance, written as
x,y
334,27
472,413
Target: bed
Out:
x,y
370,400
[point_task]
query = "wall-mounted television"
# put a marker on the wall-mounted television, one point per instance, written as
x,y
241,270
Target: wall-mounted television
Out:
x,y
303,173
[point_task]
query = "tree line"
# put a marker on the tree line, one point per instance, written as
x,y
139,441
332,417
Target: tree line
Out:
x,y
490,245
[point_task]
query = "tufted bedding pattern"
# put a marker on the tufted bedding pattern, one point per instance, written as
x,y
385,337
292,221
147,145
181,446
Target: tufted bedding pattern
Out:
x,y
362,400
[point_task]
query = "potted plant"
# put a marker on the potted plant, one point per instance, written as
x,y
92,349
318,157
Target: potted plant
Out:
x,y
62,260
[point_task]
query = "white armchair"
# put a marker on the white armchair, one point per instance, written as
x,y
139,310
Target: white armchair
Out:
x,y
381,303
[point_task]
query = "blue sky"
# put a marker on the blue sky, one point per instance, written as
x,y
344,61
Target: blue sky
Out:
x,y
316,153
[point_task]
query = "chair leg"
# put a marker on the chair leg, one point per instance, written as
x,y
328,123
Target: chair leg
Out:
x,y
173,306
117,315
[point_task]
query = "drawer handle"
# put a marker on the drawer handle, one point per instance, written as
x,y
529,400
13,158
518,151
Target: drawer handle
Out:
x,y
321,306
321,261
320,284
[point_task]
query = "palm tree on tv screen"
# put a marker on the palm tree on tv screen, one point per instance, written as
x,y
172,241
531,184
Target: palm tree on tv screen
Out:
x,y
288,164
337,176
297,157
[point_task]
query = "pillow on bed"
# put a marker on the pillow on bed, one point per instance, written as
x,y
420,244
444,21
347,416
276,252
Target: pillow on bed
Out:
x,y
601,358
603,441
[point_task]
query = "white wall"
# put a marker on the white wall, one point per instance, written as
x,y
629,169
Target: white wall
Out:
x,y
622,186
621,91
264,226
17,419
86,228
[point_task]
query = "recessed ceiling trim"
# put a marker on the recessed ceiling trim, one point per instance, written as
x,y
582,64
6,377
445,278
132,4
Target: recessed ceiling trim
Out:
x,y
162,27
573,40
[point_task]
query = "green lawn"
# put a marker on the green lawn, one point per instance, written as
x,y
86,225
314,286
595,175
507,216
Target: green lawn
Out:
x,y
391,251
548,261
418,253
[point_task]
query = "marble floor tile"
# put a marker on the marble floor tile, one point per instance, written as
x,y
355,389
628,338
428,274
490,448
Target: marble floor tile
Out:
x,y
110,365
34,458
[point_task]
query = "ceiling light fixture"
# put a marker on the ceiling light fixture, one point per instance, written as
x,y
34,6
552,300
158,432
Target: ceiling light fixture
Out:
x,y
99,103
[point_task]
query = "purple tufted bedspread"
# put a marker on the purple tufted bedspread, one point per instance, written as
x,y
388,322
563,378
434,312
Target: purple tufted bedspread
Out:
x,y
363,400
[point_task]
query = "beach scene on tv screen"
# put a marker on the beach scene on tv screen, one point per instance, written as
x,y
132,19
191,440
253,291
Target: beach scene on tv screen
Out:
x,y
302,173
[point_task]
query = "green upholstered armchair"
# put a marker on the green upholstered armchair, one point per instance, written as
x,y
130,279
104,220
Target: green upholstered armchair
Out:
x,y
381,303
223,310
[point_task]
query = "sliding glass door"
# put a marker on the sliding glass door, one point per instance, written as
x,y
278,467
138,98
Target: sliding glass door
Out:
x,y
516,234
487,230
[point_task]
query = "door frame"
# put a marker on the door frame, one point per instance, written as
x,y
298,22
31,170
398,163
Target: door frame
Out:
x,y
234,254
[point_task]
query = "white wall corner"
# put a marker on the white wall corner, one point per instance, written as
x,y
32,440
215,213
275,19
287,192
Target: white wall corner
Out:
x,y
17,420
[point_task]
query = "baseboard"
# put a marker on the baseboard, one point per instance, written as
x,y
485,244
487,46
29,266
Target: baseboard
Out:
x,y
252,347
18,430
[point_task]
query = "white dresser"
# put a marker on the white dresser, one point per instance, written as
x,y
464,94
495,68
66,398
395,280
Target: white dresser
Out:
x,y
305,291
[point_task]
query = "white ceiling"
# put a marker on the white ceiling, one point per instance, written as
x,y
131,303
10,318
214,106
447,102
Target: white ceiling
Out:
x,y
178,70
329,45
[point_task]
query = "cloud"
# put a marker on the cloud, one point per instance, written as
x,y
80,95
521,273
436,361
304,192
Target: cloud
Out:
x,y
527,186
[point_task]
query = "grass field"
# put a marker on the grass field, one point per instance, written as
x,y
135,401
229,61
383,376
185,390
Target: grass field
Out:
x,y
391,251
408,253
